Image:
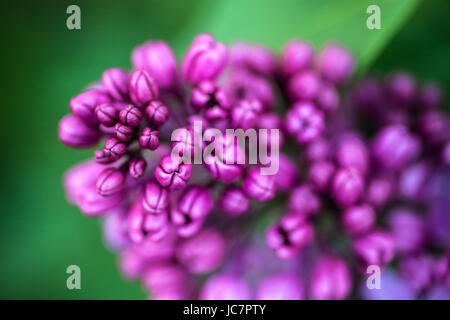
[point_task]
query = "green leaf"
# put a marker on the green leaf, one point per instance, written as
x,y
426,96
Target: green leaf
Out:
x,y
272,23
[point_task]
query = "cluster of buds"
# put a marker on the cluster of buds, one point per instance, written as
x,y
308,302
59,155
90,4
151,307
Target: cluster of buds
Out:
x,y
169,215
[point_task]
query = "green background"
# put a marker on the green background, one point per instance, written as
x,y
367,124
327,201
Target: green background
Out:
x,y
44,64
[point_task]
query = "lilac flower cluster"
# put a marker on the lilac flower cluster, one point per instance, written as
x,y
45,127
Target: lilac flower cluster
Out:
x,y
353,192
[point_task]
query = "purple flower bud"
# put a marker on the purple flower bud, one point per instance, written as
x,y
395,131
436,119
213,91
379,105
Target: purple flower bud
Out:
x,y
287,173
115,229
434,126
254,58
244,85
348,185
107,114
84,104
189,213
304,86
358,219
331,279
260,188
204,60
123,132
73,132
408,230
418,271
206,95
143,225
166,280
245,114
320,175
271,121
304,122
394,147
110,181
158,59
281,287
335,63
114,149
317,150
172,173
296,57
155,199
430,95
143,88
103,157
375,248
227,162
203,252
290,235
130,116
402,88
157,113
413,180
378,192
328,98
352,152
304,201
225,287
115,81
233,201
137,167
149,139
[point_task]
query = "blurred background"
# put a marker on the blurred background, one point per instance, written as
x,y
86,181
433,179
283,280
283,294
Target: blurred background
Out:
x,y
44,64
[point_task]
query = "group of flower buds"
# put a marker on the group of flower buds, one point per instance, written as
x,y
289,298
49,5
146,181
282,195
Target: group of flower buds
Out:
x,y
168,214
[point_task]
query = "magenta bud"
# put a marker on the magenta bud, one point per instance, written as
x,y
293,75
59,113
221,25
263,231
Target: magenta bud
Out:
x,y
73,132
110,181
321,174
158,59
260,188
207,95
375,248
287,173
142,225
402,88
378,192
157,113
202,253
304,201
290,235
244,85
149,139
245,114
319,149
305,122
114,149
190,212
233,201
225,287
281,287
352,152
254,58
102,157
394,147
172,173
137,167
304,86
123,132
155,199
418,271
84,104
115,81
347,187
335,63
359,219
107,114
331,279
166,281
204,60
328,99
296,57
143,88
408,230
130,116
